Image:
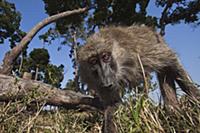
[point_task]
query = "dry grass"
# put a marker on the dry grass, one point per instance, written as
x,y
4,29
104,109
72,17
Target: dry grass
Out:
x,y
140,116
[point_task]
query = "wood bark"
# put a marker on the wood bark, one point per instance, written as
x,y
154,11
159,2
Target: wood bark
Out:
x,y
76,75
13,54
12,88
36,73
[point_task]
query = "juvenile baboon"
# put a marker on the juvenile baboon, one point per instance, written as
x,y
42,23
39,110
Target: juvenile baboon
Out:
x,y
119,57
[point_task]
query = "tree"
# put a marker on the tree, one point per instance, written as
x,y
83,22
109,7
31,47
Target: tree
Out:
x,y
102,13
12,55
122,12
38,62
53,75
10,20
70,85
9,23
39,59
175,11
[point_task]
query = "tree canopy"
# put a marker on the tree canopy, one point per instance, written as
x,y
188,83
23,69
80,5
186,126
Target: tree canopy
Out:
x,y
10,23
123,12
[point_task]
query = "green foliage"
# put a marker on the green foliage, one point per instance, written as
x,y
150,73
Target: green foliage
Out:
x,y
9,23
180,10
54,75
66,26
118,12
38,61
49,36
70,85
54,7
39,58
48,73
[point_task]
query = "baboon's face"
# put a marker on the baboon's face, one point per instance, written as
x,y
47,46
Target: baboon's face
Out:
x,y
103,69
103,63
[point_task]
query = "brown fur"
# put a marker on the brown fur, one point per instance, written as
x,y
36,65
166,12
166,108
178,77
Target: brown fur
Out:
x,y
126,44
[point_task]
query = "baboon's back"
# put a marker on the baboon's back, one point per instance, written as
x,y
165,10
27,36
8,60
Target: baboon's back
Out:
x,y
137,40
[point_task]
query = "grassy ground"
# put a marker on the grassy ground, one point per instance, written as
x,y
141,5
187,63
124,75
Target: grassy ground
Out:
x,y
140,116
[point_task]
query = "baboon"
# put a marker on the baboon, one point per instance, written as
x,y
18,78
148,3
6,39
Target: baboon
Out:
x,y
119,57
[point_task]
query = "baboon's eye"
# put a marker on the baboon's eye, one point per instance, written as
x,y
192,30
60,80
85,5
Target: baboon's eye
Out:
x,y
105,56
92,60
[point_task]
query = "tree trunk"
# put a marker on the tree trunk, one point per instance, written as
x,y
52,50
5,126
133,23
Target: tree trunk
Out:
x,y
76,75
36,73
21,63
13,88
13,54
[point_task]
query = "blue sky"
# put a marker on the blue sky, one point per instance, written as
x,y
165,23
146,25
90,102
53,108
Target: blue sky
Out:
x,y
184,39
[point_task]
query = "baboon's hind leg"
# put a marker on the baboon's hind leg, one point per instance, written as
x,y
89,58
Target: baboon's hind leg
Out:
x,y
166,80
185,83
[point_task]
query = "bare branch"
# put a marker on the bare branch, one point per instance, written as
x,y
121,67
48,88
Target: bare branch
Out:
x,y
188,14
164,17
75,47
12,55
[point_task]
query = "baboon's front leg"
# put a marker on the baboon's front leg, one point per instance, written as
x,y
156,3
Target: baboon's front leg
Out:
x,y
167,87
185,83
111,99
108,123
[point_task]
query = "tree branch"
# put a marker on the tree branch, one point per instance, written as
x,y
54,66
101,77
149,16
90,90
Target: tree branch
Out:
x,y
188,14
185,13
13,54
164,17
13,88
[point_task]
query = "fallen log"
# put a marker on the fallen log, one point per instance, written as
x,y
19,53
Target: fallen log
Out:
x,y
12,88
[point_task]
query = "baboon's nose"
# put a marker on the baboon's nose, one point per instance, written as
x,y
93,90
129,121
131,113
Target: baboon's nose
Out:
x,y
107,85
